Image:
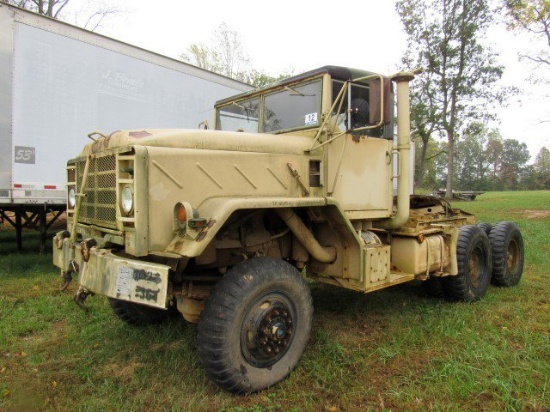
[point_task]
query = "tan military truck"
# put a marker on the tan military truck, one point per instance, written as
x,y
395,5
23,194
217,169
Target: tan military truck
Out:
x,y
296,179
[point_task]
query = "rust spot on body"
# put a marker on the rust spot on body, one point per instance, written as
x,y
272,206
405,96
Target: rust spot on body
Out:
x,y
139,135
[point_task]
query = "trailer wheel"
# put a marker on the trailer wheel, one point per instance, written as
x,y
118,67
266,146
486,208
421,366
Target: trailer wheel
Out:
x,y
255,325
508,258
474,266
486,227
138,315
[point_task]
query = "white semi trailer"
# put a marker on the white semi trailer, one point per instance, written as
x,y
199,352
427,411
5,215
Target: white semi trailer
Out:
x,y
59,83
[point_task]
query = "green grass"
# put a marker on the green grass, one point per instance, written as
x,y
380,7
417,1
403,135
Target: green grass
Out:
x,y
389,350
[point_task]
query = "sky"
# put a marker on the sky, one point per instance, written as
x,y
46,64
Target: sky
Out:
x,y
296,36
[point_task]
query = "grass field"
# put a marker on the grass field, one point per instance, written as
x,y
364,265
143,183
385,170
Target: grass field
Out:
x,y
389,350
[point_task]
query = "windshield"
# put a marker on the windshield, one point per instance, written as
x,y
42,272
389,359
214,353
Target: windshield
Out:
x,y
290,107
241,116
293,107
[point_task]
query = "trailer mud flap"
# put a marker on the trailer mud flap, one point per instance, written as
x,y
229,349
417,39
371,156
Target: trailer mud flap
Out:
x,y
135,281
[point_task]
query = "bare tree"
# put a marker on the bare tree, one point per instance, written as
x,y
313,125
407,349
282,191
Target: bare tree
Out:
x,y
50,8
94,11
227,57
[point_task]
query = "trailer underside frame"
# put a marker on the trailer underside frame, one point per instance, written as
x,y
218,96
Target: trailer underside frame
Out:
x,y
25,216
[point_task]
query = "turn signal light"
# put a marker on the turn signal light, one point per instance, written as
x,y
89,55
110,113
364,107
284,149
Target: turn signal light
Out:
x,y
185,216
181,213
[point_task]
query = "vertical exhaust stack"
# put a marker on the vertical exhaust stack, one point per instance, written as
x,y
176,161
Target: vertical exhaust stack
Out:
x,y
403,148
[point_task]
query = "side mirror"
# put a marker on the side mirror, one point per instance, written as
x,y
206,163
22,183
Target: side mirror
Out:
x,y
380,101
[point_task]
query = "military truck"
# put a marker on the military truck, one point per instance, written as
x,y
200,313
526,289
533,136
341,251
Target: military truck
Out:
x,y
297,179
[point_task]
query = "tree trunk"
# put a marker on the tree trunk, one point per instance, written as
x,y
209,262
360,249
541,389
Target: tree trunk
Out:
x,y
422,164
450,165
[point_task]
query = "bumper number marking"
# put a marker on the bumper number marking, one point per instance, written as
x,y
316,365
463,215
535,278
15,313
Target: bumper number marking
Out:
x,y
123,281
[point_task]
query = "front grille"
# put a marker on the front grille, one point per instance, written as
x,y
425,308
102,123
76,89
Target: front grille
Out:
x,y
99,204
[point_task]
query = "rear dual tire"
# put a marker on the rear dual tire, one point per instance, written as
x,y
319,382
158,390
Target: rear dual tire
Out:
x,y
485,254
508,254
474,259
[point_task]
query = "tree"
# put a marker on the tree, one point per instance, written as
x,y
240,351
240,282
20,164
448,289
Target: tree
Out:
x,y
532,16
50,8
201,56
227,57
493,151
260,79
431,168
444,38
542,169
423,122
470,156
514,157
94,12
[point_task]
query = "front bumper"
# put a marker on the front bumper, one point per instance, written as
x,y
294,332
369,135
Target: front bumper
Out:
x,y
117,277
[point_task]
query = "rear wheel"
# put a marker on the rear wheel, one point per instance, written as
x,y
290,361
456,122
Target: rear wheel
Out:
x,y
508,258
255,325
474,266
486,227
136,314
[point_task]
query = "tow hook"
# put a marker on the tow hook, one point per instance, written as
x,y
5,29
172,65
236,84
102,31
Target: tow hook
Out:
x,y
67,277
80,296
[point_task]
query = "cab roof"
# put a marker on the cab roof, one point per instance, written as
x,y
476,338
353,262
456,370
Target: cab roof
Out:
x,y
335,72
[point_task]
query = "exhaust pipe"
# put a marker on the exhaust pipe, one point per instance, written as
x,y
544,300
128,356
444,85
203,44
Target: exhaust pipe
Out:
x,y
306,238
403,148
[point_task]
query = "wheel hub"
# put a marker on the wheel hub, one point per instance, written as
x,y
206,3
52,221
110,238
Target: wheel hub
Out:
x,y
268,331
474,266
513,256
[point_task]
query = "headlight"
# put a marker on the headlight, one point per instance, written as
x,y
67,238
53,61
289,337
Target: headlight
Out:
x,y
127,199
72,198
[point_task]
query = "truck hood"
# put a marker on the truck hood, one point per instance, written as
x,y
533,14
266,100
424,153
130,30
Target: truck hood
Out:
x,y
202,139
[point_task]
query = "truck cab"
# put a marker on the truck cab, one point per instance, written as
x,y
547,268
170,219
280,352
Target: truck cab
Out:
x,y
296,179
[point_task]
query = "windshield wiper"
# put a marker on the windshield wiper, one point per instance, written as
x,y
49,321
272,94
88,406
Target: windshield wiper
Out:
x,y
297,93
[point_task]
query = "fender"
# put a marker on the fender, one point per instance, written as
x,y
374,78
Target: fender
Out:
x,y
218,210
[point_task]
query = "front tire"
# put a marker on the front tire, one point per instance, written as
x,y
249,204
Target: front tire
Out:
x,y
255,325
508,258
474,266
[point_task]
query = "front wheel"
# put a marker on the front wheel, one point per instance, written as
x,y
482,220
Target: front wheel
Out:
x,y
255,325
474,265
